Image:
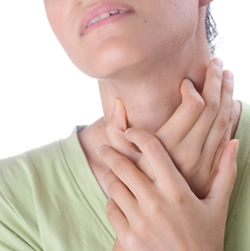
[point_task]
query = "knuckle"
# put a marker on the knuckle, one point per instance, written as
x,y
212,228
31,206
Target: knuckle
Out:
x,y
217,73
229,90
119,164
113,187
223,142
223,120
178,198
132,240
155,207
213,104
188,162
151,144
197,103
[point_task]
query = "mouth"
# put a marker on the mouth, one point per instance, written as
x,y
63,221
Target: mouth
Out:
x,y
101,14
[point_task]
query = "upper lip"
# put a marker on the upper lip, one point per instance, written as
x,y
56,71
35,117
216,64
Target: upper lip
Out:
x,y
101,8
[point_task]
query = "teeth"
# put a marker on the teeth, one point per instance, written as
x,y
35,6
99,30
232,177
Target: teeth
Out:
x,y
102,16
114,12
105,15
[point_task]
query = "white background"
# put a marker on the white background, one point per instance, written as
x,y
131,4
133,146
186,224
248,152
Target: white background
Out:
x,y
43,96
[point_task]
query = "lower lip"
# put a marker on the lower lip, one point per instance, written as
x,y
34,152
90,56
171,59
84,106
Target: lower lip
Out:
x,y
105,21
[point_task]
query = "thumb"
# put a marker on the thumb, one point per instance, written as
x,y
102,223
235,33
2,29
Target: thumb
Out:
x,y
115,129
118,119
222,186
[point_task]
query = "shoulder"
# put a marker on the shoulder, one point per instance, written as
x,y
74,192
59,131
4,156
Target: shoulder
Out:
x,y
20,179
39,168
38,164
17,170
20,175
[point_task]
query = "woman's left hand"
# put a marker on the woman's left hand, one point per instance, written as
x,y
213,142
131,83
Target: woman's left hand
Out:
x,y
165,214
195,136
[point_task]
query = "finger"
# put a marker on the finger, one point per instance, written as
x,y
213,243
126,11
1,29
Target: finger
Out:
x,y
219,194
125,170
120,194
117,218
221,122
211,172
224,141
161,163
146,168
190,109
115,130
211,95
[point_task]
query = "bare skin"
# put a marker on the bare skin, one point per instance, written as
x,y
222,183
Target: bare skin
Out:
x,y
165,214
195,136
198,143
95,135
100,175
142,59
224,134
144,73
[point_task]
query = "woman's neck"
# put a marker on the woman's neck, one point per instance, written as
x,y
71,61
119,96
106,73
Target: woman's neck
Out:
x,y
153,94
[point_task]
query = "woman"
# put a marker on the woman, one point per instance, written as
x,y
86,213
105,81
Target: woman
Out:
x,y
142,53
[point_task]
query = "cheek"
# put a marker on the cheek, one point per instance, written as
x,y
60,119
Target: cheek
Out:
x,y
178,21
54,11
62,19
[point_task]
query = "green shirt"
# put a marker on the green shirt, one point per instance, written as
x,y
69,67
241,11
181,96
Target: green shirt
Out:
x,y
50,200
237,237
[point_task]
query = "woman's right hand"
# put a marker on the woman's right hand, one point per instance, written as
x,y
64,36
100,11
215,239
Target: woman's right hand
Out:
x,y
195,136
164,214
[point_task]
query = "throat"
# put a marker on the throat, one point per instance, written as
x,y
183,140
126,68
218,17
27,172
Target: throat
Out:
x,y
147,107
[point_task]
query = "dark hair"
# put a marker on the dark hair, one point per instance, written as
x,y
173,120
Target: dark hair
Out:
x,y
211,30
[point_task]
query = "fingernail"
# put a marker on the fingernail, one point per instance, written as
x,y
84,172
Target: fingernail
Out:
x,y
228,75
218,62
101,147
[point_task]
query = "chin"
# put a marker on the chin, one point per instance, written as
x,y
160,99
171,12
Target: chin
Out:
x,y
110,60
